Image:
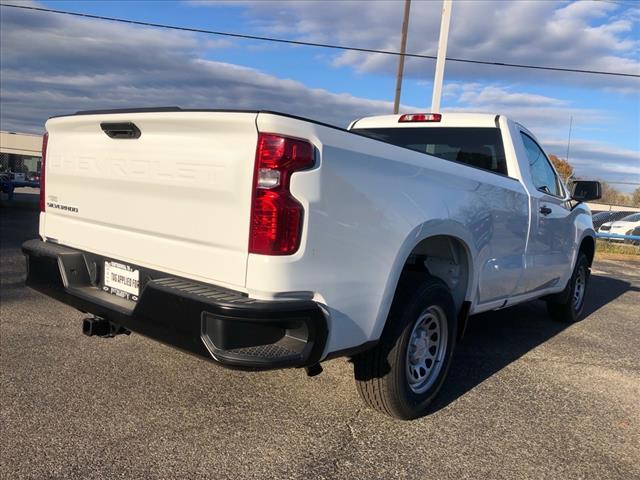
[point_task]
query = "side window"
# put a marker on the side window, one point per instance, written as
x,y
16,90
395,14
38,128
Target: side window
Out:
x,y
544,178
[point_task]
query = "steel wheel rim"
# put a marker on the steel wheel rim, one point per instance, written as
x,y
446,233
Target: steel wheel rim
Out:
x,y
579,288
426,349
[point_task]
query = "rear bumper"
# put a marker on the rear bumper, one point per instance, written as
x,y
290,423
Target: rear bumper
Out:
x,y
213,322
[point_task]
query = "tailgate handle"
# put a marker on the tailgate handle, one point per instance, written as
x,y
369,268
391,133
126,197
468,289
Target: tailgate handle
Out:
x,y
121,129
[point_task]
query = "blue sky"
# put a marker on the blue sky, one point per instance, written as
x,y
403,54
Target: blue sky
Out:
x,y
335,86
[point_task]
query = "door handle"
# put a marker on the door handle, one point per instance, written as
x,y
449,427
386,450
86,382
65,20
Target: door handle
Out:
x,y
545,210
120,129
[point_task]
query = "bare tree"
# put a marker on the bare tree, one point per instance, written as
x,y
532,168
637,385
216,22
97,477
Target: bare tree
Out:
x,y
564,168
613,196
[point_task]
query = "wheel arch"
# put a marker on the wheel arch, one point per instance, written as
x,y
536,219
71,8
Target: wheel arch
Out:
x,y
588,247
441,249
447,258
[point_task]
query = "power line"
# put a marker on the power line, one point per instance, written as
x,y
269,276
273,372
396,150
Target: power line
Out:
x,y
315,44
617,2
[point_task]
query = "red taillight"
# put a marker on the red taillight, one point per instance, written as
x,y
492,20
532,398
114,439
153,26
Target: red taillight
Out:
x,y
420,117
276,217
45,140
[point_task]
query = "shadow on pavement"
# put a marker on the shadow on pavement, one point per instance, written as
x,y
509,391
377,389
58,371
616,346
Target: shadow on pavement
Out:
x,y
493,340
22,198
17,225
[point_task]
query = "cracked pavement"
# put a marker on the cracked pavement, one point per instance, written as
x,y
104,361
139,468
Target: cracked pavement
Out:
x,y
525,398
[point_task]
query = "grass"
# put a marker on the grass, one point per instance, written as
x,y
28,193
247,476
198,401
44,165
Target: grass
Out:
x,y
604,247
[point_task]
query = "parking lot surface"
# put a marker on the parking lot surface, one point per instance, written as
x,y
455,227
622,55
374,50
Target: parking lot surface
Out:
x,y
526,398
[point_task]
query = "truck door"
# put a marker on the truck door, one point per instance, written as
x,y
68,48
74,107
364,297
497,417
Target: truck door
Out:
x,y
551,239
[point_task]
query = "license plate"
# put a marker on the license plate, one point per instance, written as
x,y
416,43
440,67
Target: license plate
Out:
x,y
121,280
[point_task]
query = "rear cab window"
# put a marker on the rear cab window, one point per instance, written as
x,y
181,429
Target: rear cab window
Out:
x,y
476,147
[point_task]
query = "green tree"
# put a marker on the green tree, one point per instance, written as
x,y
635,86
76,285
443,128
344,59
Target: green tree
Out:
x,y
635,197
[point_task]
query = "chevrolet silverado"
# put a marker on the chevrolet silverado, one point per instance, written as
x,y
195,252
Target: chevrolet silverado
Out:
x,y
260,240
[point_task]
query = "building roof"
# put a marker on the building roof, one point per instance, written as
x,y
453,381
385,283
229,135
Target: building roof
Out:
x,y
21,143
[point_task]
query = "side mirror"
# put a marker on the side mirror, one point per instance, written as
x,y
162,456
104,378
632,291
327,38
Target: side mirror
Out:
x,y
586,190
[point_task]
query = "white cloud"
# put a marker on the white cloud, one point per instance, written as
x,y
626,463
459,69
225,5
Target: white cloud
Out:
x,y
543,114
54,65
491,95
585,35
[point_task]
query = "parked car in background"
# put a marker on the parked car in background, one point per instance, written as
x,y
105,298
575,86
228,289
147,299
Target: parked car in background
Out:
x,y
624,226
602,217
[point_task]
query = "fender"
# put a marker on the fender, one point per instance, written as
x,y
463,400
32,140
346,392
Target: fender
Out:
x,y
429,229
584,228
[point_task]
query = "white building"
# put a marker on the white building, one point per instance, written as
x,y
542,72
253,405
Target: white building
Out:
x,y
20,152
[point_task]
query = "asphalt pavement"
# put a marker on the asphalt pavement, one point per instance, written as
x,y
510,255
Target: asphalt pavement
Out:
x,y
526,398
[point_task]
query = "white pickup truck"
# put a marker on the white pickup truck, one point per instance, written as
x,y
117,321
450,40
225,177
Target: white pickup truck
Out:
x,y
261,240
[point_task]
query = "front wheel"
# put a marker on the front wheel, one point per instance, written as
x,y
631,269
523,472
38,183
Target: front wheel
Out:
x,y
569,306
403,373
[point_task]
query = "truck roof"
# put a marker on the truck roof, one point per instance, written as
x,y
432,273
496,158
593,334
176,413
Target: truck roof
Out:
x,y
447,120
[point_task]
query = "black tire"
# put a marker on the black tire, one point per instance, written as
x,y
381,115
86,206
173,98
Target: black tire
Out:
x,y
564,307
381,373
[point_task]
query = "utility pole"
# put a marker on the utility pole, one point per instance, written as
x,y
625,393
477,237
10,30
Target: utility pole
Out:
x,y
442,55
403,48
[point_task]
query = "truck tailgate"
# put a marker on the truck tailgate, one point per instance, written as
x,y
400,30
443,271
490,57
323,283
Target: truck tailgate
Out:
x,y
177,199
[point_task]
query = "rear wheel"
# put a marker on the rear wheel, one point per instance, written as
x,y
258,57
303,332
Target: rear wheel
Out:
x,y
569,306
404,372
